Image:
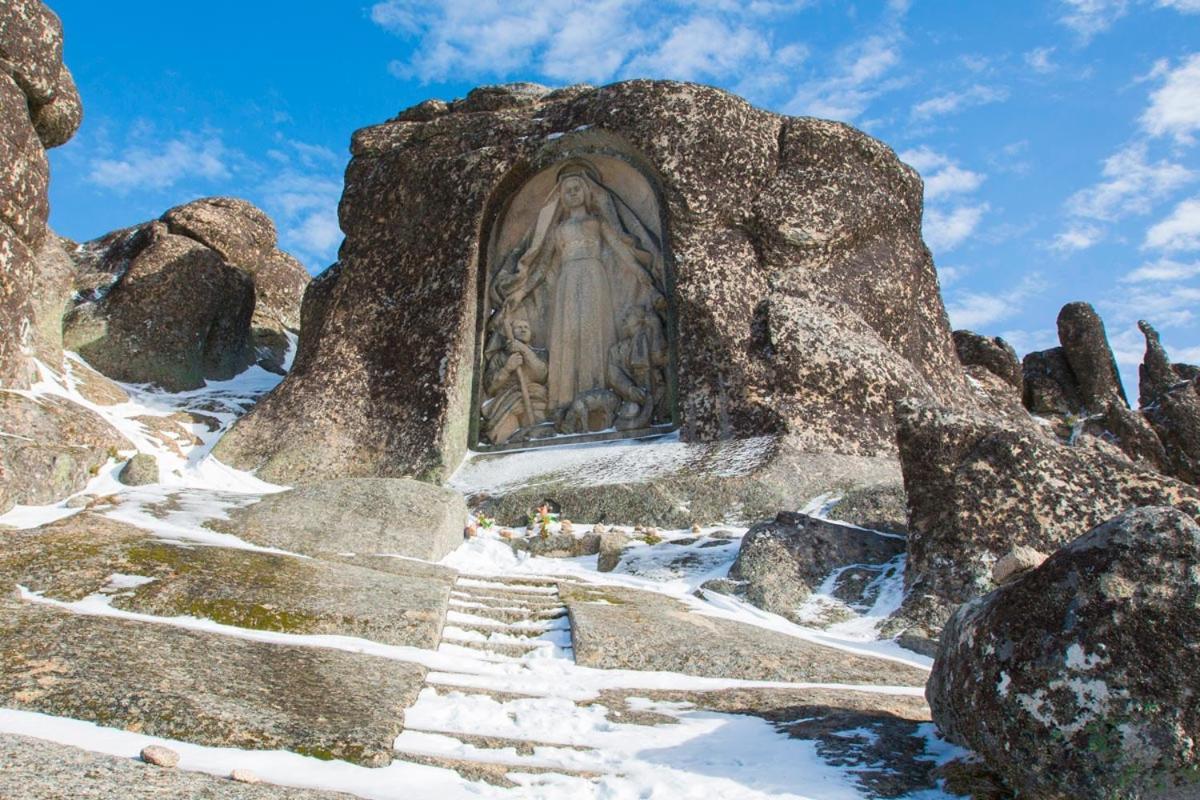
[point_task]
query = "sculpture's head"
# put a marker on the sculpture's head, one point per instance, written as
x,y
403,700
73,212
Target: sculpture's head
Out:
x,y
574,182
521,330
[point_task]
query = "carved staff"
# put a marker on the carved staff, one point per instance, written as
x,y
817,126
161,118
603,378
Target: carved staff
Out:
x,y
520,377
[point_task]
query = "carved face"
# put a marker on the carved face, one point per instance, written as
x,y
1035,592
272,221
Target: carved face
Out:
x,y
574,192
520,330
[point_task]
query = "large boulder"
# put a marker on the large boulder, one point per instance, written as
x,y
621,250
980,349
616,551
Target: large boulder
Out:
x,y
1079,679
977,488
364,516
805,301
178,315
780,563
197,295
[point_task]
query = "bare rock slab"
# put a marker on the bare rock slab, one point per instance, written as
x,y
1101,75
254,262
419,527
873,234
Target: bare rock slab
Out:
x,y
395,516
76,557
39,770
203,688
618,628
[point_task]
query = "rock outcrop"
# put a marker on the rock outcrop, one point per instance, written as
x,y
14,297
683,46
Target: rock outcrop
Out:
x,y
781,562
805,300
1170,399
39,108
977,488
199,294
1079,678
993,354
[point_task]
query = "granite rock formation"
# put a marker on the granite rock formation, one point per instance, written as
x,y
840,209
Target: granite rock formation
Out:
x,y
198,294
39,108
1170,399
1078,679
977,488
992,353
781,562
805,301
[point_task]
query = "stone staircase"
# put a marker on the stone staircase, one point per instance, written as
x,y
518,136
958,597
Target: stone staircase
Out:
x,y
509,617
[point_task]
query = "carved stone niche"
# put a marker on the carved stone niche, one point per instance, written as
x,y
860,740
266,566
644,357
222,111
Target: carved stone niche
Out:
x,y
577,333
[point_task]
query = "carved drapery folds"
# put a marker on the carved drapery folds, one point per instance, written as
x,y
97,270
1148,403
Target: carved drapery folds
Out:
x,y
576,333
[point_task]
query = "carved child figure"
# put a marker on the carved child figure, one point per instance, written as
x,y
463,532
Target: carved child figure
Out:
x,y
635,368
515,381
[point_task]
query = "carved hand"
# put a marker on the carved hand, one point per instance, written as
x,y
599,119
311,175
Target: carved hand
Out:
x,y
514,361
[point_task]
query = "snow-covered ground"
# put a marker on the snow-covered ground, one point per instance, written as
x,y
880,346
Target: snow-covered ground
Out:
x,y
541,697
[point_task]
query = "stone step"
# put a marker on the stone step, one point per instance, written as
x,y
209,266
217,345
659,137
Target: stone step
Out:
x,y
512,598
511,613
522,747
510,649
506,585
515,580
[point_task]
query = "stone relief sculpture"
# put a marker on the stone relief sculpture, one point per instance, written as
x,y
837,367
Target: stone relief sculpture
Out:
x,y
575,338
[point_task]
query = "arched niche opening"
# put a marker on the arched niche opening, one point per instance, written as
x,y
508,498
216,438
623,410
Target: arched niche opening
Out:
x,y
577,333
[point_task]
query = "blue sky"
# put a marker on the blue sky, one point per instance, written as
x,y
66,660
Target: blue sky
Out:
x,y
1059,140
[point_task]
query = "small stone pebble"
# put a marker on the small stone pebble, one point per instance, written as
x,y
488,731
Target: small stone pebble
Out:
x,y
599,527
695,527
567,526
244,776
650,530
160,756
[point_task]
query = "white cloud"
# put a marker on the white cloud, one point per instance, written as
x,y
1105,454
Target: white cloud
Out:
x,y
1025,341
1132,184
948,276
1182,6
1077,236
1175,106
572,40
941,175
1089,17
974,310
951,102
304,205
1039,59
316,233
142,167
1180,230
1162,270
858,78
946,230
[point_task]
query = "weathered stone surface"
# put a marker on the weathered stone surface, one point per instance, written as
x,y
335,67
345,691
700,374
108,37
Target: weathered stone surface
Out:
x,y
1085,348
203,688
1015,563
31,72
993,354
1050,386
881,507
612,543
780,563
139,470
618,628
160,756
667,484
39,770
176,316
219,249
400,604
57,120
31,45
806,302
1079,678
977,488
560,545
53,285
356,515
1170,400
51,449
